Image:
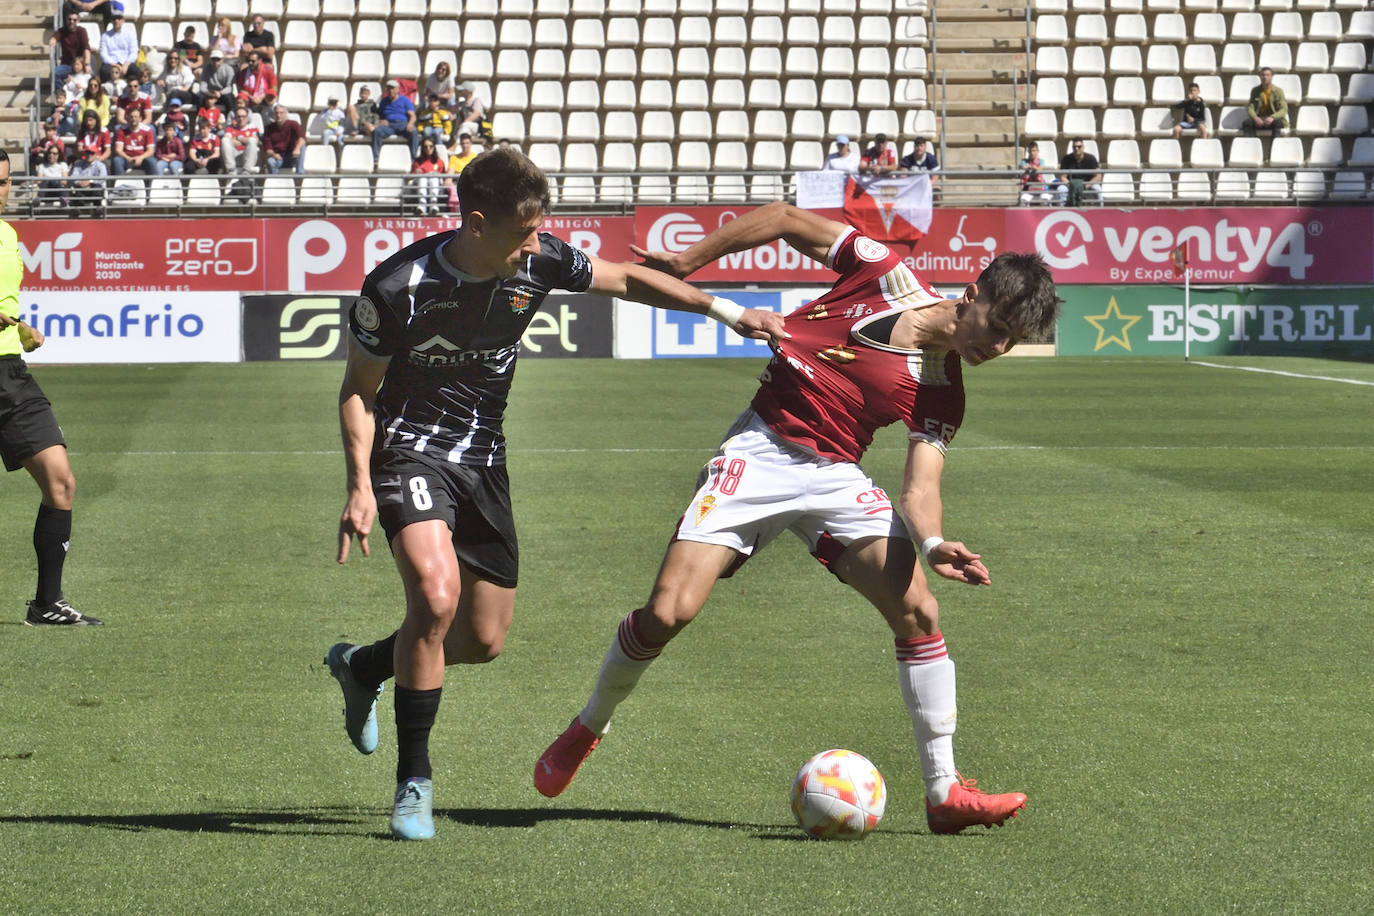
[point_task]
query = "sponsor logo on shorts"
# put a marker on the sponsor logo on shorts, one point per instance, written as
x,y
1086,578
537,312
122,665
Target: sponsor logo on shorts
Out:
x,y
874,502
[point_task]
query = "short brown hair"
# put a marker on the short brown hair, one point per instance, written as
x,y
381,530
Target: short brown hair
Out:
x,y
503,182
1021,290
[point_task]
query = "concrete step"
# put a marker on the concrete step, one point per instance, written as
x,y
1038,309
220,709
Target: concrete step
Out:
x,y
987,92
956,33
966,124
966,11
977,157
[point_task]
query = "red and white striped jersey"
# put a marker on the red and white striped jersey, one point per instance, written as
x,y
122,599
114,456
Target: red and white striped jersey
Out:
x,y
828,388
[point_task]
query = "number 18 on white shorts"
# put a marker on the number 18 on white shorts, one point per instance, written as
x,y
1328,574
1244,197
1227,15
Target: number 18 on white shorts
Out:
x,y
758,485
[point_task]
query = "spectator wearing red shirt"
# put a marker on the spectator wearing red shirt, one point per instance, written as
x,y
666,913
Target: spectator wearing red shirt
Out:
x,y
94,137
134,145
169,157
74,44
239,148
133,96
175,115
284,142
257,83
427,168
204,158
210,111
49,141
880,158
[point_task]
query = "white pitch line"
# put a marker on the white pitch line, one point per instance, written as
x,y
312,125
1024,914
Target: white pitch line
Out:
x,y
1320,378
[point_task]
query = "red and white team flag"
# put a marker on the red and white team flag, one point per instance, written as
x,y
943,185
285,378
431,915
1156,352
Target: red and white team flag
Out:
x,y
889,209
1180,258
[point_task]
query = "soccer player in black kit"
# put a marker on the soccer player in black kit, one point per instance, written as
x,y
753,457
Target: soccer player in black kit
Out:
x,y
436,329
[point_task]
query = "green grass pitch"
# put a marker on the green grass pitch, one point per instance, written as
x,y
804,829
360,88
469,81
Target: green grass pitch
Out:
x,y
1173,661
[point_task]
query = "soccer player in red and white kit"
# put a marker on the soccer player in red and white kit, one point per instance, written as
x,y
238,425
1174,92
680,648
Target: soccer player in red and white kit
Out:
x,y
880,347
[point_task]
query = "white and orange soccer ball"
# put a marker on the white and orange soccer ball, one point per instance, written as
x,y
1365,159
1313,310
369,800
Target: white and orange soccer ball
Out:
x,y
838,795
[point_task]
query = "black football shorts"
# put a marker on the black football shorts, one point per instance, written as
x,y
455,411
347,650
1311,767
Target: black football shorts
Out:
x,y
27,423
473,501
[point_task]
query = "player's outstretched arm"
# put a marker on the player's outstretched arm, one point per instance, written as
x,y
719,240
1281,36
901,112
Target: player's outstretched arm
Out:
x,y
808,232
362,376
923,511
638,283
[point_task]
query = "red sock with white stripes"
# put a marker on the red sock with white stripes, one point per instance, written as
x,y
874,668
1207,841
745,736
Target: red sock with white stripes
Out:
x,y
926,675
630,654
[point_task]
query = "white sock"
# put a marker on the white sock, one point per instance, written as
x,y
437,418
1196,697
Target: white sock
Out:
x,y
625,662
926,676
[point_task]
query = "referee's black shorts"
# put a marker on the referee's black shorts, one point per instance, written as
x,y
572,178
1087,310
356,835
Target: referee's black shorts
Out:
x,y
473,501
27,423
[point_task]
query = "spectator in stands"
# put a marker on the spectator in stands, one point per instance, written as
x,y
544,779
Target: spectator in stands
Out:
x,y
1192,113
239,148
362,114
440,83
333,120
260,40
1080,177
257,84
1033,188
211,112
95,100
221,78
471,109
52,177
64,113
203,155
845,158
880,158
397,116
191,50
102,8
225,41
169,156
133,97
1268,107
920,159
94,137
177,81
73,44
116,84
77,81
86,183
283,143
435,121
134,145
49,140
175,115
118,44
465,153
427,168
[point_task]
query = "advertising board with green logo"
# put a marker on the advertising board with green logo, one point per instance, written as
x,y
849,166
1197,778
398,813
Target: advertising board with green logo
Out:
x,y
1327,321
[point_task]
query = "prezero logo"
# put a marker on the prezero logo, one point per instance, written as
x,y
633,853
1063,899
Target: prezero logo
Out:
x,y
674,232
59,259
211,257
1065,254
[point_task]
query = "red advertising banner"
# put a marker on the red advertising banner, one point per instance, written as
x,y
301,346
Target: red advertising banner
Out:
x,y
250,255
1271,245
1280,245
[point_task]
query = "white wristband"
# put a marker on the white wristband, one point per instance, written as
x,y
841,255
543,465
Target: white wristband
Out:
x,y
930,544
726,312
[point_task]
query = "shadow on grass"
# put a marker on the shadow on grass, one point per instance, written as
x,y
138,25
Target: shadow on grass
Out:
x,y
328,821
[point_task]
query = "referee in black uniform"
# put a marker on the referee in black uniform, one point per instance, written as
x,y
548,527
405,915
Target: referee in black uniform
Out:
x,y
30,437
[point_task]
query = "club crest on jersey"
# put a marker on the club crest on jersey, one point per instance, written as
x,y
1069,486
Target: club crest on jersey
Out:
x,y
865,247
521,298
708,502
366,313
817,311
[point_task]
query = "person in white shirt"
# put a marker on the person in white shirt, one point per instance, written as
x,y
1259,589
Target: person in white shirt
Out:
x,y
845,158
118,44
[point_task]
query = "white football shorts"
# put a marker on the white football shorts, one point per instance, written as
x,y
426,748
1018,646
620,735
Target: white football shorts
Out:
x,y
759,485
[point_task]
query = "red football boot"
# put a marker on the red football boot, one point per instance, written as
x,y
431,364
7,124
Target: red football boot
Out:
x,y
967,806
557,766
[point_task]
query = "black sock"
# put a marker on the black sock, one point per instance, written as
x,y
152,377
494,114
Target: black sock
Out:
x,y
52,533
415,710
375,663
